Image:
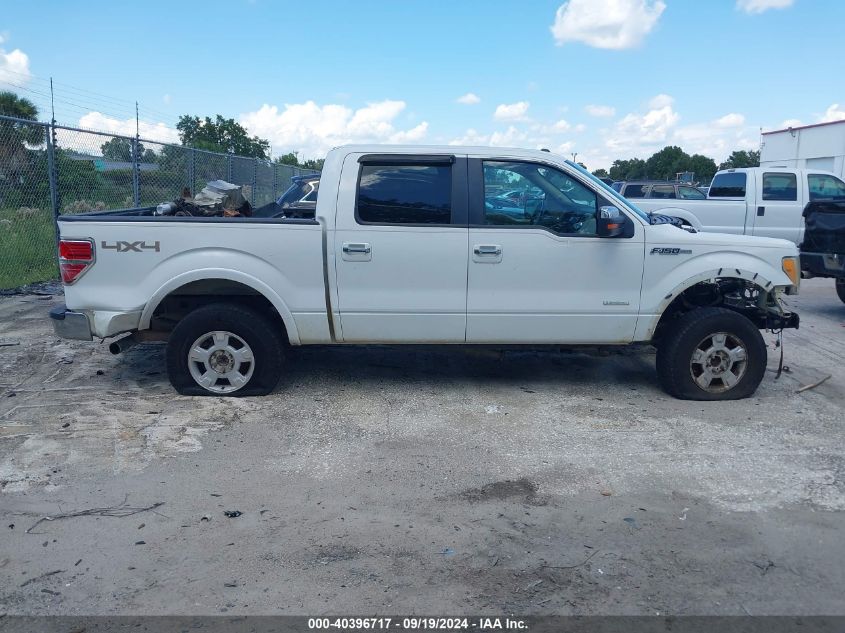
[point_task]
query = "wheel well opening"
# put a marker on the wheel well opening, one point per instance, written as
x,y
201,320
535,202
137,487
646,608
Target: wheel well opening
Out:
x,y
195,294
740,295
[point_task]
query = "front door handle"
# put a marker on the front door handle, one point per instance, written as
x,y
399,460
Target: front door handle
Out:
x,y
491,250
350,247
761,211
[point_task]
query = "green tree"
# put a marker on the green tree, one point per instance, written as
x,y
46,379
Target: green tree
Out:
x,y
703,167
291,158
601,173
15,158
631,169
220,135
119,149
663,165
742,158
314,163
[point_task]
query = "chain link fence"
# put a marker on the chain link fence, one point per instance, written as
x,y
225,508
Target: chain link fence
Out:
x,y
47,170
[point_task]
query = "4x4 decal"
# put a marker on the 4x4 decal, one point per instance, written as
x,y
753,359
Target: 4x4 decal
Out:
x,y
131,247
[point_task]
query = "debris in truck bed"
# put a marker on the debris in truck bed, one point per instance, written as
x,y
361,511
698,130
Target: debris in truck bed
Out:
x,y
217,199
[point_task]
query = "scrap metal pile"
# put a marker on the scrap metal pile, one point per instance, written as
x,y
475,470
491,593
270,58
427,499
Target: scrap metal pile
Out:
x,y
217,199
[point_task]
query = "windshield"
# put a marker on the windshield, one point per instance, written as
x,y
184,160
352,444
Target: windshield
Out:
x,y
609,192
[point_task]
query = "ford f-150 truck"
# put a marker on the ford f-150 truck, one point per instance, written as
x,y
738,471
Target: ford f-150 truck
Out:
x,y
405,248
761,201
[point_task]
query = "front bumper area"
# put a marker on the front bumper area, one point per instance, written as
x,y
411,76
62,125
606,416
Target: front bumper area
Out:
x,y
69,324
823,264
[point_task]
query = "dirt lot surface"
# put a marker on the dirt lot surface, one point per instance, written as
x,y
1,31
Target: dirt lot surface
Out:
x,y
385,480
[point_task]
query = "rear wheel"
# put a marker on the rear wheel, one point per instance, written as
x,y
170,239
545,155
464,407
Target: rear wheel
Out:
x,y
225,349
840,289
711,354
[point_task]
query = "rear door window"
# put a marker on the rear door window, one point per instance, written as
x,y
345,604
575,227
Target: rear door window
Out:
x,y
728,185
635,191
404,194
662,191
780,186
690,193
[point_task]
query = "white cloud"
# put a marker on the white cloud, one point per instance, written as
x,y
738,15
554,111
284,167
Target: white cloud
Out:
x,y
126,127
759,6
730,120
561,126
580,127
612,24
660,101
469,98
14,66
511,111
833,113
471,137
313,129
635,130
166,98
600,110
791,123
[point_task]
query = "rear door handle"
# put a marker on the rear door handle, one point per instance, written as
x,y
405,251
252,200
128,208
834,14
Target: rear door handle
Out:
x,y
350,247
356,252
761,210
491,250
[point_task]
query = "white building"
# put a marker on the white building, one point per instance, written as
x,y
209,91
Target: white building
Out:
x,y
820,146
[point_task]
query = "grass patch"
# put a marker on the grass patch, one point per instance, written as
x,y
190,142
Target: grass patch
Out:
x,y
27,247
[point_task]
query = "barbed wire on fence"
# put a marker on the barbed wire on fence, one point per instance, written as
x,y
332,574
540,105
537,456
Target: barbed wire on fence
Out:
x,y
48,169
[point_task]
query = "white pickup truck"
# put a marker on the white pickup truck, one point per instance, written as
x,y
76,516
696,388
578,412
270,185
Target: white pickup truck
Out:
x,y
407,247
761,201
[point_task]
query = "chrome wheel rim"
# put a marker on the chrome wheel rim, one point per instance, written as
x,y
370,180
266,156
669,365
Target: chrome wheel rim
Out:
x,y
719,362
221,361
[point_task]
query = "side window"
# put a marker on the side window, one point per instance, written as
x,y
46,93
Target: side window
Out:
x,y
663,191
779,186
405,194
634,191
825,187
690,193
531,194
728,185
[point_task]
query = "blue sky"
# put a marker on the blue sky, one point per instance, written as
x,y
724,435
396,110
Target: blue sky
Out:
x,y
604,78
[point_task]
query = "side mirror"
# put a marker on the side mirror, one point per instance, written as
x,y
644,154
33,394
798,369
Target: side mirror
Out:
x,y
611,222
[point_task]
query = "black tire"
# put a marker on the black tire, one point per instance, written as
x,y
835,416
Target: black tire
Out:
x,y
262,337
698,333
840,289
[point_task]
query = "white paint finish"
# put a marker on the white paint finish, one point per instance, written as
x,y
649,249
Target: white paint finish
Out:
x,y
815,147
712,216
781,218
420,284
409,287
550,288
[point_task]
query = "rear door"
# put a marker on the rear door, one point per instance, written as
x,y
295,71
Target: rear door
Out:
x,y
778,210
400,249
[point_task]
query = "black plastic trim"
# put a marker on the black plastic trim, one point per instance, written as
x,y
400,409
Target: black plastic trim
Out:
x,y
406,159
184,218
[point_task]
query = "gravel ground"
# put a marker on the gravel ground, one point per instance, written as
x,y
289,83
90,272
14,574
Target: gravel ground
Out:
x,y
395,480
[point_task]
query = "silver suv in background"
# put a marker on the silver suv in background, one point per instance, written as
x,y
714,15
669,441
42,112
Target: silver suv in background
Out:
x,y
660,190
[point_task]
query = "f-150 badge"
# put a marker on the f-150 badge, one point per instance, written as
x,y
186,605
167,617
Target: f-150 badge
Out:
x,y
131,247
670,251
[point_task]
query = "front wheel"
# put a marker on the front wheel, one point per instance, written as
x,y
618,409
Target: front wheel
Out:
x,y
225,349
711,354
840,289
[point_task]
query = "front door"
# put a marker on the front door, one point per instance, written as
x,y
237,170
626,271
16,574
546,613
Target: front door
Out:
x,y
400,249
538,273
